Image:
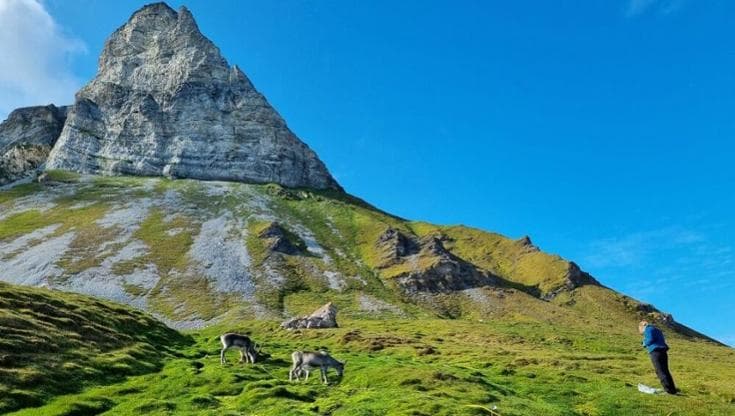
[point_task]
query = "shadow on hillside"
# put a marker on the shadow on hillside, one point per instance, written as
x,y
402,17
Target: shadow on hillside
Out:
x,y
77,341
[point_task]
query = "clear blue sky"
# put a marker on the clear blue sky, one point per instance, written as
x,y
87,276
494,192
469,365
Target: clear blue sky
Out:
x,y
603,129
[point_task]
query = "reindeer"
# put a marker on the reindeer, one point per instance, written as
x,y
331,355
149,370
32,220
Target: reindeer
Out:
x,y
305,361
247,347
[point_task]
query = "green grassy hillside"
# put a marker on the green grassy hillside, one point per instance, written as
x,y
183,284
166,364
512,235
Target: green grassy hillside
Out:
x,y
424,367
193,253
53,343
436,320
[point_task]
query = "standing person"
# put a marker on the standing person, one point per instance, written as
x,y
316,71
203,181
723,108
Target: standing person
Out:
x,y
653,340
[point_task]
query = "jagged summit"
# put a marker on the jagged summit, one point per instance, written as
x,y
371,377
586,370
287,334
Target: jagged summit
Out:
x,y
166,102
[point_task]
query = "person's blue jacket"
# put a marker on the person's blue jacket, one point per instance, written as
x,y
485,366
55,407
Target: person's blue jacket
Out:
x,y
653,339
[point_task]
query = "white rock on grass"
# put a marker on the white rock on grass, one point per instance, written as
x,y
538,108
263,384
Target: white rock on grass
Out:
x,y
92,282
36,266
220,253
128,216
145,278
335,281
11,248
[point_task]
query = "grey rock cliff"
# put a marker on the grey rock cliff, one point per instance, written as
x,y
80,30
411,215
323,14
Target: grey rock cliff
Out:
x,y
26,138
165,102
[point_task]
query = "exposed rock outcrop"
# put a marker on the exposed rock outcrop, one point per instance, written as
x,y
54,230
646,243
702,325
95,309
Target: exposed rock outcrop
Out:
x,y
526,242
26,138
394,245
280,240
441,271
165,102
573,279
425,265
324,317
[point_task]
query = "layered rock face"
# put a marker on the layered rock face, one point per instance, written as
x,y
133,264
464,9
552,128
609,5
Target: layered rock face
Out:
x,y
26,138
165,102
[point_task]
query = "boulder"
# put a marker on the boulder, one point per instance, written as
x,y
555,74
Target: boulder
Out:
x,y
324,317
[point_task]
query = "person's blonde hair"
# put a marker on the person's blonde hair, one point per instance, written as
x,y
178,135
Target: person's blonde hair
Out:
x,y
642,324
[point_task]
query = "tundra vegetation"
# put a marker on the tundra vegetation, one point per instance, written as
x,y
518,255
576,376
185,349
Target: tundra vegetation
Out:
x,y
434,320
94,357
520,344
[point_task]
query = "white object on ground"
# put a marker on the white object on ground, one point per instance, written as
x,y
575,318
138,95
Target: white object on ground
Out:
x,y
648,389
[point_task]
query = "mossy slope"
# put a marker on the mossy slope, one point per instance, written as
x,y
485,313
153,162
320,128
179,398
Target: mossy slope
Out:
x,y
192,252
530,344
424,367
55,343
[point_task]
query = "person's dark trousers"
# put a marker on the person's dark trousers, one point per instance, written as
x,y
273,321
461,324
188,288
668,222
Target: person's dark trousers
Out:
x,y
660,361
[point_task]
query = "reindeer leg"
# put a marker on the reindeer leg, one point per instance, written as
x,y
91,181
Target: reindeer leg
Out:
x,y
293,373
324,374
222,356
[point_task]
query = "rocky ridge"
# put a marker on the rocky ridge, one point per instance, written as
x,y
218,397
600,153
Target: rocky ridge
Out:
x,y
425,265
26,139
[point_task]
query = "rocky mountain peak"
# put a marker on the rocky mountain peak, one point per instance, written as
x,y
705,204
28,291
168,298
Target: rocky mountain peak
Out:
x,y
165,102
157,50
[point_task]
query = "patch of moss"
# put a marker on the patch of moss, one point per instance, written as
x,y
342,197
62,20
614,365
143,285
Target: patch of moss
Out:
x,y
21,223
134,290
126,267
189,297
19,191
257,249
69,218
85,252
62,176
178,294
166,250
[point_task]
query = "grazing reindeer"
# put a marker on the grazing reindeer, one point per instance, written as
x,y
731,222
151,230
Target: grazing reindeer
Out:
x,y
245,344
305,361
